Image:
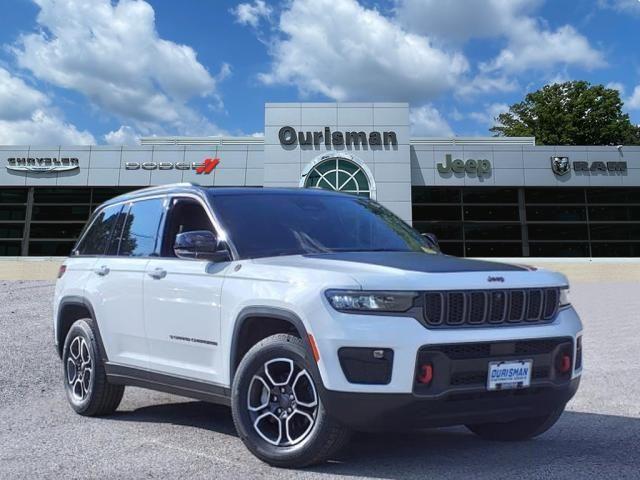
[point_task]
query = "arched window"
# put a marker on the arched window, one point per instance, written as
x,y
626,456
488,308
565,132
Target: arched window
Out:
x,y
339,174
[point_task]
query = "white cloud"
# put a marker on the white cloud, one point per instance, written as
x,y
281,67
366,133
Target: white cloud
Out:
x,y
459,21
112,53
427,121
26,117
532,48
489,116
125,135
251,14
633,102
616,86
343,50
483,84
622,6
42,128
17,99
530,44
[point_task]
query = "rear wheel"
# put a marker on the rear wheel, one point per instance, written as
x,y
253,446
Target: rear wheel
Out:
x,y
276,407
522,429
85,380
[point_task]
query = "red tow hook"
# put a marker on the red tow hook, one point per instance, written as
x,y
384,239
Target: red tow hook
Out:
x,y
426,374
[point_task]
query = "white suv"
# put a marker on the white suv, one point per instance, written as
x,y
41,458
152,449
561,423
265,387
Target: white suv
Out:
x,y
311,313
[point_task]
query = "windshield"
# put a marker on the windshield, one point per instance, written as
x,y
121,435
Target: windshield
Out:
x,y
284,223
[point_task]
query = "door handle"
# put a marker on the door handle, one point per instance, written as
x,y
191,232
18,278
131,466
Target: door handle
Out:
x,y
102,271
158,273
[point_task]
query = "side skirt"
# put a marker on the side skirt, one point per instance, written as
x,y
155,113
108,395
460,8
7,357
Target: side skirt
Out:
x,y
174,384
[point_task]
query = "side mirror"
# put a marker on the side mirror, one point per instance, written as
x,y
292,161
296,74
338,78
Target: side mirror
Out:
x,y
200,245
432,240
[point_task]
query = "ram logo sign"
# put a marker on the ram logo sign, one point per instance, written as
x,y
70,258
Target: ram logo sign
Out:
x,y
560,165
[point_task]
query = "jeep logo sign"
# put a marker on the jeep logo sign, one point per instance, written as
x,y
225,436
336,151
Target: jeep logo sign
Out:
x,y
470,166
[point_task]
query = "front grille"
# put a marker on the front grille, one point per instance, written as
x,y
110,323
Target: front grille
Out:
x,y
490,307
462,351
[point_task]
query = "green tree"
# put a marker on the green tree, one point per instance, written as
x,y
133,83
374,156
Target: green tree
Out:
x,y
570,113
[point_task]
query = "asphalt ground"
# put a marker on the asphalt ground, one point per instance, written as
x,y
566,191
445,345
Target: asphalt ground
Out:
x,y
155,435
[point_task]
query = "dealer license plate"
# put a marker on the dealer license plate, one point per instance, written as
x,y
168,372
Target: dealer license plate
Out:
x,y
509,374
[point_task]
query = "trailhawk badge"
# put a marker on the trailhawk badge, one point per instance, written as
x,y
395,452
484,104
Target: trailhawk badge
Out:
x,y
560,165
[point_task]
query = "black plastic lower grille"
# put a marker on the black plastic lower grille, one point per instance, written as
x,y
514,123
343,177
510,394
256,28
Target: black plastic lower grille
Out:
x,y
449,309
463,366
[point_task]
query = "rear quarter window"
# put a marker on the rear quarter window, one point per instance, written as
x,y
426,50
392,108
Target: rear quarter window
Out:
x,y
142,224
100,231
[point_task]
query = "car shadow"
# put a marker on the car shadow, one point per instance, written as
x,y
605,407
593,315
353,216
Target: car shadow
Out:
x,y
580,444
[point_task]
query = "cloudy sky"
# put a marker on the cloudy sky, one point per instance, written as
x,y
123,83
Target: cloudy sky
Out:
x,y
109,71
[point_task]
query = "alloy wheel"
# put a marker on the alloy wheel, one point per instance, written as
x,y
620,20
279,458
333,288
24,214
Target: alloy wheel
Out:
x,y
282,402
79,368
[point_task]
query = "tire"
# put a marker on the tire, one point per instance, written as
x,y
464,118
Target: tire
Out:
x,y
302,433
517,430
85,381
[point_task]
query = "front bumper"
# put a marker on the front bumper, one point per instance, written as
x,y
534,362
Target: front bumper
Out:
x,y
374,411
405,336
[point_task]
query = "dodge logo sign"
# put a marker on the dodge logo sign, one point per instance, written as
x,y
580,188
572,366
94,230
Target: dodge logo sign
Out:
x,y
205,167
560,165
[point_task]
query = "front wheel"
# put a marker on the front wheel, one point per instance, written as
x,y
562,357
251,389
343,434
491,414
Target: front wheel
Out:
x,y
516,430
276,407
88,391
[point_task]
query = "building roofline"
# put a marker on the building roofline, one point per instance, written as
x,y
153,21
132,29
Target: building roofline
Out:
x,y
472,141
202,141
413,141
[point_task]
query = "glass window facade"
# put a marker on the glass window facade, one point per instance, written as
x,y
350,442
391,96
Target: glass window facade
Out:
x,y
468,221
46,221
531,222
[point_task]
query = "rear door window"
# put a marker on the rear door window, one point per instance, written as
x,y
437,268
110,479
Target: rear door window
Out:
x,y
141,227
102,228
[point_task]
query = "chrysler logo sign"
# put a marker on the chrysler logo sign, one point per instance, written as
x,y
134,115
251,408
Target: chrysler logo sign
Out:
x,y
42,164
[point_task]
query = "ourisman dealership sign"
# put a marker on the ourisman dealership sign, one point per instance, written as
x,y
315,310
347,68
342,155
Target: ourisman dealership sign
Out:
x,y
288,136
42,164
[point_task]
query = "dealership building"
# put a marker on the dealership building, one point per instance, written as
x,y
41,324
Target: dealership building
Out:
x,y
482,196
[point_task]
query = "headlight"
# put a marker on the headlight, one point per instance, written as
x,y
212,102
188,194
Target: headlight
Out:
x,y
564,298
362,301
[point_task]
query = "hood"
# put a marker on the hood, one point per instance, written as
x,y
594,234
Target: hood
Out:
x,y
421,262
415,271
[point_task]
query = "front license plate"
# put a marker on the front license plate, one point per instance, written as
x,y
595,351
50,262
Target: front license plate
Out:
x,y
509,374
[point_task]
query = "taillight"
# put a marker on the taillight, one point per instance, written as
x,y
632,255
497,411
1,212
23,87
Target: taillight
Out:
x,y
61,270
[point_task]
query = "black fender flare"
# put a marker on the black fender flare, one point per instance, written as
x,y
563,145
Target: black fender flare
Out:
x,y
82,302
271,312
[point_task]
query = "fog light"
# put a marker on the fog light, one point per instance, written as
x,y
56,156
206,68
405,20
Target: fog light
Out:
x,y
425,374
565,363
